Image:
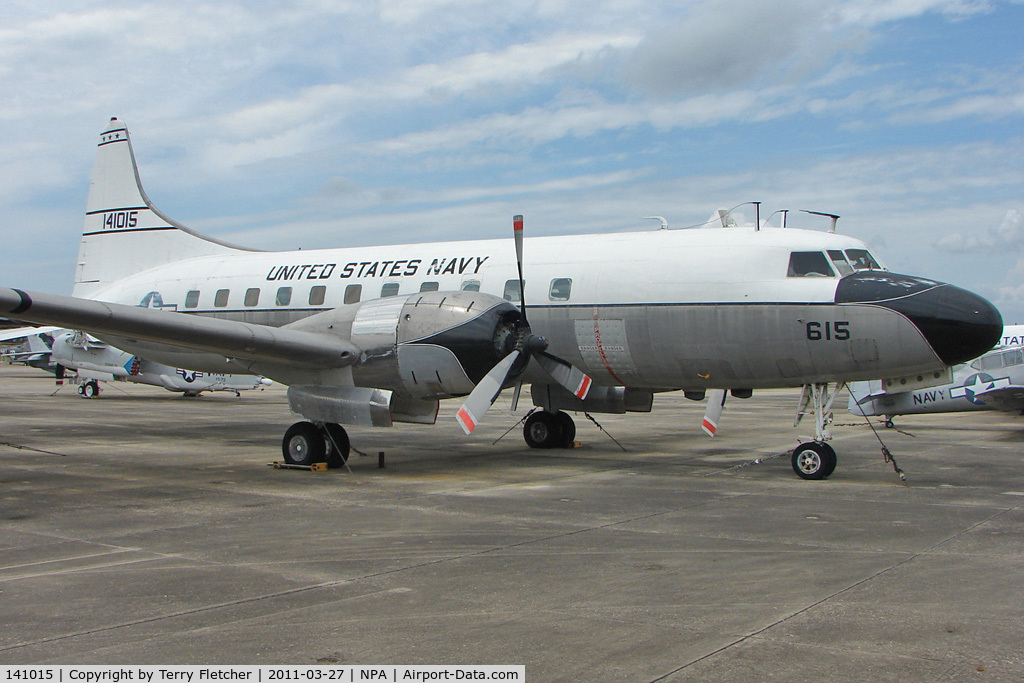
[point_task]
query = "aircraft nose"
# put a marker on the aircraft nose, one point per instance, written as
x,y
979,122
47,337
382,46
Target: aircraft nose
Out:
x,y
958,324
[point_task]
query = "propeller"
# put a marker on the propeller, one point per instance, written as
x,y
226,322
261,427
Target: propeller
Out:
x,y
716,402
528,345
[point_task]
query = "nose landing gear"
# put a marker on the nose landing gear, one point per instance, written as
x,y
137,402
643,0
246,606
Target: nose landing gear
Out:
x,y
816,459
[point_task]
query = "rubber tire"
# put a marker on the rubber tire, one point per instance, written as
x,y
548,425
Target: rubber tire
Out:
x,y
304,444
831,460
336,457
90,389
567,427
813,460
542,430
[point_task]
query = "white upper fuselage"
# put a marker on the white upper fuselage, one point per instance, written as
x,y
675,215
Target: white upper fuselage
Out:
x,y
711,265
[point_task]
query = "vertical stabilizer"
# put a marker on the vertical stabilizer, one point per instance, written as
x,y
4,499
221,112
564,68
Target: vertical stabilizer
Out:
x,y
124,233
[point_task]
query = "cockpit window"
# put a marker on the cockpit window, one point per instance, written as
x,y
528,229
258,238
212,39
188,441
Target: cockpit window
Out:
x,y
840,262
862,260
809,264
997,360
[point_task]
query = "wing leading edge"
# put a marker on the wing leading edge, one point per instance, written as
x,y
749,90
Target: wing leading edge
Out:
x,y
228,338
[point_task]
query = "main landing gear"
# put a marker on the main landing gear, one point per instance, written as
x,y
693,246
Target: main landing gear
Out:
x,y
307,443
549,430
816,459
90,389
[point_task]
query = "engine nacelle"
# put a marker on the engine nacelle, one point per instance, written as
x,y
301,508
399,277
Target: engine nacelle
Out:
x,y
428,345
601,399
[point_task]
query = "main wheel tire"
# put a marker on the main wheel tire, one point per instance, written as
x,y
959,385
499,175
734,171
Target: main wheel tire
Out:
x,y
813,460
567,427
304,444
542,430
91,389
337,456
831,460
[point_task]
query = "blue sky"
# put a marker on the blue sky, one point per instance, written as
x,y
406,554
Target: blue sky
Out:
x,y
331,123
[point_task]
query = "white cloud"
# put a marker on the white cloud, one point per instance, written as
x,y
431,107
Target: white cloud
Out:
x,y
411,11
872,12
722,44
1008,234
1010,298
449,110
507,69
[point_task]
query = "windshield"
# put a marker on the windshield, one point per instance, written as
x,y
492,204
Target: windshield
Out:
x,y
862,259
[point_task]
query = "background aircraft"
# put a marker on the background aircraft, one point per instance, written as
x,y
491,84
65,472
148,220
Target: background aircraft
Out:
x,y
1013,335
377,335
56,350
29,345
995,381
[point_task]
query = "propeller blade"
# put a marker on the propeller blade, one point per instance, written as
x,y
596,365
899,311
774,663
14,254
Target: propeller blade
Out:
x,y
572,378
517,233
484,394
716,402
515,395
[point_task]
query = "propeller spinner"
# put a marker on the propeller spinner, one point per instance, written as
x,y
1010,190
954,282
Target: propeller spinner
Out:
x,y
528,345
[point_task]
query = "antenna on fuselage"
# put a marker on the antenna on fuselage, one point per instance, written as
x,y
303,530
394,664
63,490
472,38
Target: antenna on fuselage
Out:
x,y
784,212
834,217
664,223
729,222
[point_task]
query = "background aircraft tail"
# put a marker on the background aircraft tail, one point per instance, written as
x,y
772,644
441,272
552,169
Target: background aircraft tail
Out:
x,y
124,233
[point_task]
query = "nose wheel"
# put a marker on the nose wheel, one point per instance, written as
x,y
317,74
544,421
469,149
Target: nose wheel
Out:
x,y
306,443
814,460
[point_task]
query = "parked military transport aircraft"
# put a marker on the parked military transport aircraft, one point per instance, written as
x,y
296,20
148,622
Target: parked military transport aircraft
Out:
x,y
1013,335
995,381
31,346
56,351
376,335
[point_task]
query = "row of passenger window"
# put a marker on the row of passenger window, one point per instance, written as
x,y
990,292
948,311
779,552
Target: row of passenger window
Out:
x,y
559,290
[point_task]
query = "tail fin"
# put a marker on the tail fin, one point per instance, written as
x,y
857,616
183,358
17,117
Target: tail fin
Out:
x,y
124,233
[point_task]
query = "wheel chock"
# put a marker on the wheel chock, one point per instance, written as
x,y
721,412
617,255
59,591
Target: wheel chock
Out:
x,y
315,467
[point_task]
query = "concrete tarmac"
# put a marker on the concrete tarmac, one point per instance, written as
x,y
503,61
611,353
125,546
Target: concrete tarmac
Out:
x,y
145,528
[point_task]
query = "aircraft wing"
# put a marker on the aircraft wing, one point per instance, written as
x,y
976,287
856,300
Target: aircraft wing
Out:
x,y
1008,398
19,332
29,356
231,339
